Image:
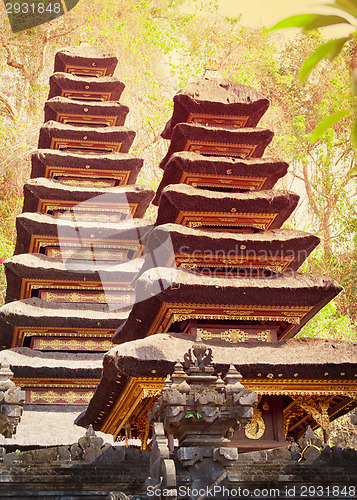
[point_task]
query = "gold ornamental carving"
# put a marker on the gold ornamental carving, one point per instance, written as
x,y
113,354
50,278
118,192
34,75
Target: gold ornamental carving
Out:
x,y
97,120
234,335
270,263
88,96
264,336
76,69
90,216
29,383
135,391
100,298
81,254
64,332
74,345
53,397
27,285
39,241
231,335
318,409
180,311
296,413
221,148
219,181
195,224
172,312
86,183
215,219
236,121
266,406
46,205
256,427
122,176
296,387
78,144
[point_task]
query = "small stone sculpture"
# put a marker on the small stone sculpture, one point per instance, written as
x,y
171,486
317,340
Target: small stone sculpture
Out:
x,y
91,445
193,398
200,410
12,400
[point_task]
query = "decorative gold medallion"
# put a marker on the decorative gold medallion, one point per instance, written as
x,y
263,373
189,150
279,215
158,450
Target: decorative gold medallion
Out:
x,y
256,427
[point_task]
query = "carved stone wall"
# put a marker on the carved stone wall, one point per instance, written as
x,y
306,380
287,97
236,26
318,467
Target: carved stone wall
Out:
x,y
62,471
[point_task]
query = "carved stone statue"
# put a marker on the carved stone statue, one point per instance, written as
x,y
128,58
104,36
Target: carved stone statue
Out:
x,y
201,410
12,400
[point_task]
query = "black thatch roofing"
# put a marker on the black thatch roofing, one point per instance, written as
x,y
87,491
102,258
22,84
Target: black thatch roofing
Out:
x,y
73,85
65,106
34,312
85,55
187,163
81,233
41,188
34,267
181,198
187,289
216,97
185,133
42,313
59,131
85,162
156,356
29,363
190,242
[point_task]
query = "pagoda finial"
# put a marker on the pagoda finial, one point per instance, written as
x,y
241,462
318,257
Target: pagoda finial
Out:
x,y
211,68
198,358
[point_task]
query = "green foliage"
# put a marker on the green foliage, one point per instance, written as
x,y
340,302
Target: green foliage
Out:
x,y
309,21
10,205
343,433
329,50
328,323
193,414
328,123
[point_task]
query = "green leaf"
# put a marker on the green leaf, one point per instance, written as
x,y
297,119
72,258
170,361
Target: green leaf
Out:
x,y
349,6
352,173
321,21
330,49
353,82
299,21
328,123
310,21
354,131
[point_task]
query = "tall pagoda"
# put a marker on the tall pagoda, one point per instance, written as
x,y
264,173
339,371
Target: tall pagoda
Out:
x,y
78,245
231,279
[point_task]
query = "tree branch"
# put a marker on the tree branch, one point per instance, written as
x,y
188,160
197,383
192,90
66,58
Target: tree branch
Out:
x,y
151,143
9,107
64,33
10,61
309,190
40,67
297,176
